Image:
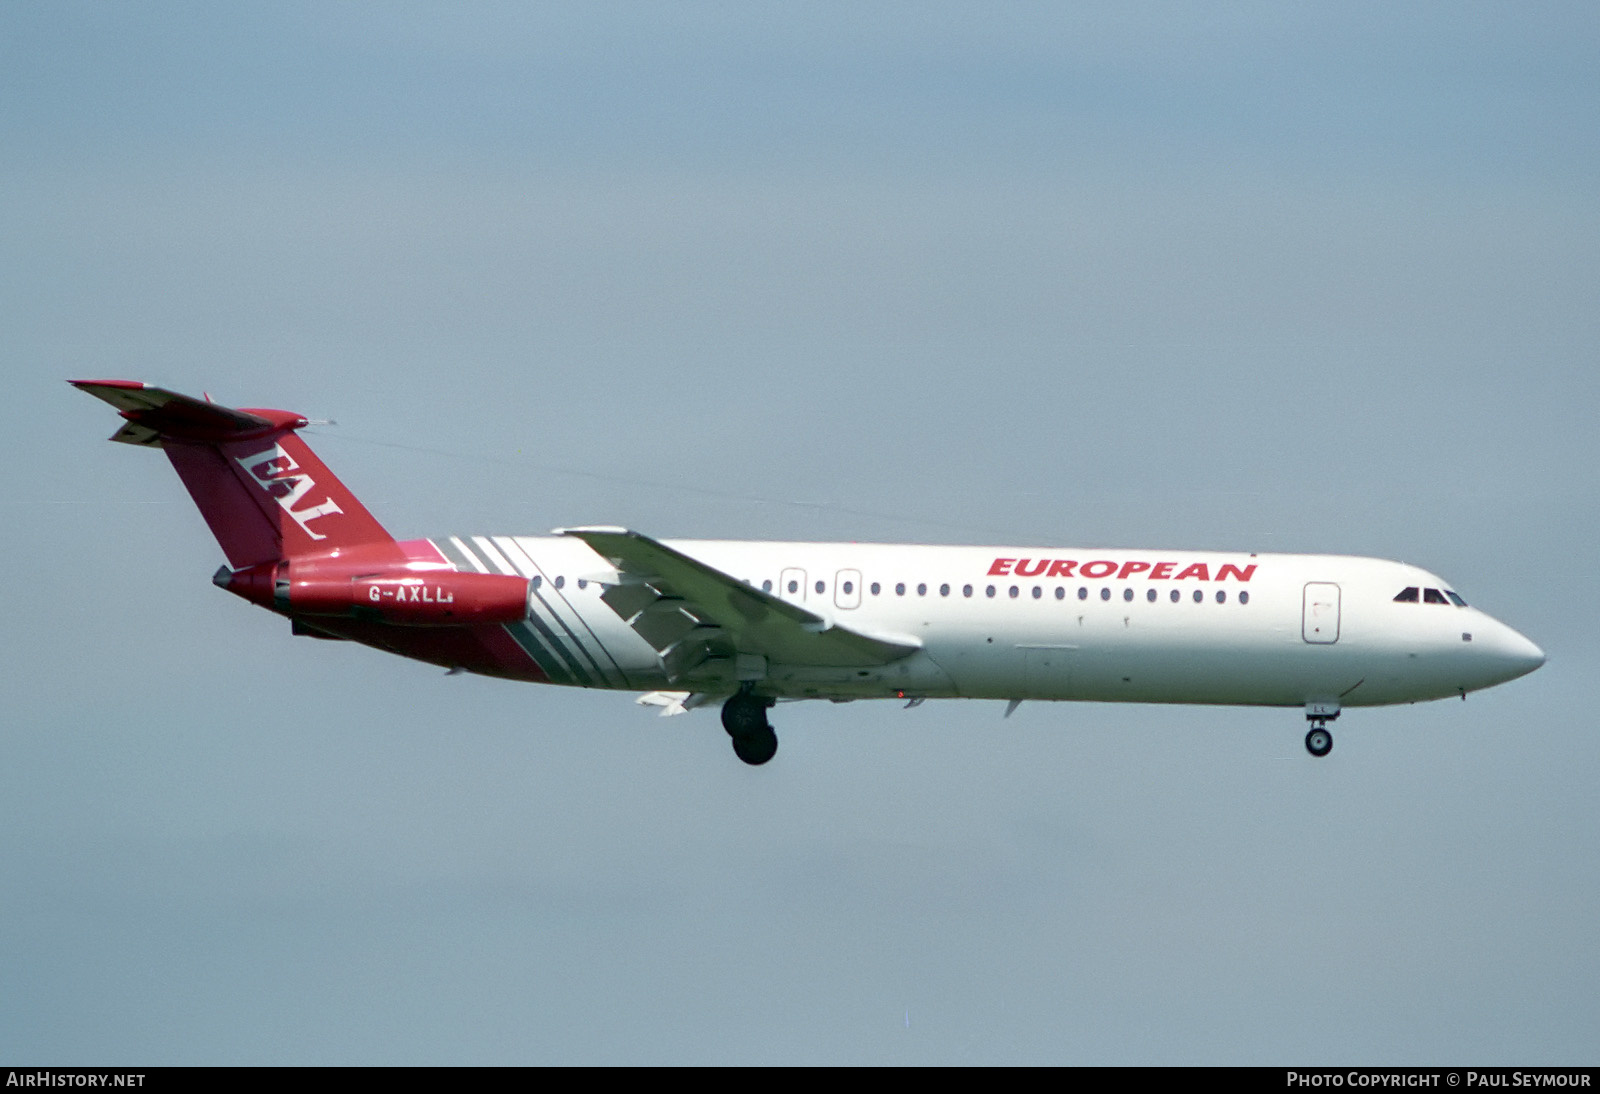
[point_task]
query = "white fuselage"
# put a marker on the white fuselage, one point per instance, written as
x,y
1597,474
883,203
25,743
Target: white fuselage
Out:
x,y
1051,623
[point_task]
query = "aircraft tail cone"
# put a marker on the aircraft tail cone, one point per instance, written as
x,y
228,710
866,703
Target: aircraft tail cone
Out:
x,y
257,584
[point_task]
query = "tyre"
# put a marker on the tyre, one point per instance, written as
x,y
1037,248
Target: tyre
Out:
x,y
756,748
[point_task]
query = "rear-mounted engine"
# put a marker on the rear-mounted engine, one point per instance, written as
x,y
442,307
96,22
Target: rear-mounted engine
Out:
x,y
436,598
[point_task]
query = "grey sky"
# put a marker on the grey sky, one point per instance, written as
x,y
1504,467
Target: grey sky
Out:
x,y
1280,278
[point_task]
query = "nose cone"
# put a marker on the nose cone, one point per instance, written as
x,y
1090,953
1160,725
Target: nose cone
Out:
x,y
1513,654
1527,657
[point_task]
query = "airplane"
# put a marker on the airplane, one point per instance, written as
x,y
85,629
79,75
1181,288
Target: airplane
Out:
x,y
749,624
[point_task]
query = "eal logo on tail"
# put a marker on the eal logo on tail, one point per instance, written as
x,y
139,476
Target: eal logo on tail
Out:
x,y
278,474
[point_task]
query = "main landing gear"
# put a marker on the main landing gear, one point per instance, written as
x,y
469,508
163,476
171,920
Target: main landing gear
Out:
x,y
1319,741
744,716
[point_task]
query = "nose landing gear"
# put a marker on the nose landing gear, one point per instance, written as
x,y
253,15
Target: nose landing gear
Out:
x,y
1319,741
744,716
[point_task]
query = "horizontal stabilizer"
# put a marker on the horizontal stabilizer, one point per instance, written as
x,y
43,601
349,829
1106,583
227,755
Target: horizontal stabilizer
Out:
x,y
156,415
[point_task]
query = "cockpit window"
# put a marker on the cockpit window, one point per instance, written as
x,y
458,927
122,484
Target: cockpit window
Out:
x,y
1454,599
1407,596
1433,596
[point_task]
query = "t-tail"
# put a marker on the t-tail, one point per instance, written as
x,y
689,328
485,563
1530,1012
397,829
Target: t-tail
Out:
x,y
263,492
296,539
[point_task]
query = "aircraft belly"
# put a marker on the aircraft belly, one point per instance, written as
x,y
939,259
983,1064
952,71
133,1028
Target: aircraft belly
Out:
x,y
915,676
1179,669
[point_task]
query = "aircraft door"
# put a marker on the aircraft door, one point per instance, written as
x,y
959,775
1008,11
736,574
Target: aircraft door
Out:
x,y
847,588
792,586
1320,617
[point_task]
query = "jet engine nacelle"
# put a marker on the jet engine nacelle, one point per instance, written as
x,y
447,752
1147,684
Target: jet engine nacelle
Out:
x,y
433,598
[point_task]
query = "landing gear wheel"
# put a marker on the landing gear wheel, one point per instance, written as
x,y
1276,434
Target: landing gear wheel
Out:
x,y
744,716
744,713
1319,742
756,748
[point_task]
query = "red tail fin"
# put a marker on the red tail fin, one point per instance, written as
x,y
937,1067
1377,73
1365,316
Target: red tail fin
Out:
x,y
263,492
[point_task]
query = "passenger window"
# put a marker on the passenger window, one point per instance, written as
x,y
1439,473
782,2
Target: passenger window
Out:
x,y
1105,594
988,590
1407,596
560,581
1127,594
1433,596
794,586
1037,592
583,583
1013,592
1175,595
819,586
944,590
1061,592
1222,597
1244,598
849,587
1150,596
1083,592
899,588
537,581
922,589
876,588
766,586
1199,596
966,590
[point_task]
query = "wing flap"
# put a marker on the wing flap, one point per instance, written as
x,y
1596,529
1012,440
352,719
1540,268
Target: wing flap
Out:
x,y
663,624
630,599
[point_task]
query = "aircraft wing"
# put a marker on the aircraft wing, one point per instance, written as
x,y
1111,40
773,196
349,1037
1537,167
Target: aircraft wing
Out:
x,y
693,614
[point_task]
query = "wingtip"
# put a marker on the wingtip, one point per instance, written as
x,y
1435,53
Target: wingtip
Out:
x,y
594,529
126,385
